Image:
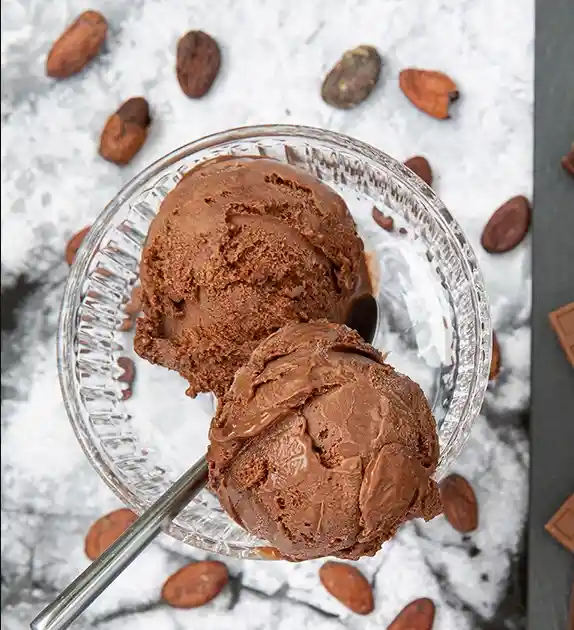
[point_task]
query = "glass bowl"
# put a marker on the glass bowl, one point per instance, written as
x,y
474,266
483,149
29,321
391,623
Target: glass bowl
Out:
x,y
433,320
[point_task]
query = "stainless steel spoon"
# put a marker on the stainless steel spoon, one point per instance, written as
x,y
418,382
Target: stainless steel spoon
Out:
x,y
76,597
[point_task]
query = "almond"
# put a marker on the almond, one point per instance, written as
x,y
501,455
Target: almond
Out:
x,y
352,78
418,615
77,45
135,110
495,359
197,63
107,530
459,503
132,309
347,584
74,244
125,131
382,220
429,90
134,305
195,584
421,167
508,226
129,370
127,376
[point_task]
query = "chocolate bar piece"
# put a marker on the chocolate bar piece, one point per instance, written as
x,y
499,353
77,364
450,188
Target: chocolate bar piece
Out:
x,y
562,320
561,525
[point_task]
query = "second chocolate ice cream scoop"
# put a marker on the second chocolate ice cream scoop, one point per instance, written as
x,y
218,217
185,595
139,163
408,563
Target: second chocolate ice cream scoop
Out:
x,y
320,447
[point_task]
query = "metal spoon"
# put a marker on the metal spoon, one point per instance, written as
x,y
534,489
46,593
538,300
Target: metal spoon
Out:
x,y
362,316
76,597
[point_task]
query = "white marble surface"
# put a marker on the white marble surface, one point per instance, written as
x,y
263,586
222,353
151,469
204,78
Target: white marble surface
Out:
x,y
274,56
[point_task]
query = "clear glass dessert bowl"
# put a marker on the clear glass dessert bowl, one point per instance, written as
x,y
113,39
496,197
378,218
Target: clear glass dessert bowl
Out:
x,y
433,320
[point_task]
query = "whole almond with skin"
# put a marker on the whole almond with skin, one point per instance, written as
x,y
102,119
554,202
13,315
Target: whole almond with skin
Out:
x,y
74,244
495,359
125,131
132,309
421,167
431,91
129,370
352,78
127,376
197,63
107,530
382,220
507,227
459,503
195,584
77,45
418,615
134,304
347,584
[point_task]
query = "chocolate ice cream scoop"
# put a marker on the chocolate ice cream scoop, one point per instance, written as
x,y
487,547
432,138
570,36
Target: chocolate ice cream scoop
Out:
x,y
322,448
239,248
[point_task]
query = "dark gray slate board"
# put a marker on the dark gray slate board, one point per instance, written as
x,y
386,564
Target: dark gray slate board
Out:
x,y
550,566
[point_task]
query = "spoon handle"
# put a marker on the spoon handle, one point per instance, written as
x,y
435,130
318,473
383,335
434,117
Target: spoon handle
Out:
x,y
74,599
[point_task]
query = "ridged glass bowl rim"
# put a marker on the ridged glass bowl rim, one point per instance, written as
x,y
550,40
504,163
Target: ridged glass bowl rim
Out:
x,y
330,140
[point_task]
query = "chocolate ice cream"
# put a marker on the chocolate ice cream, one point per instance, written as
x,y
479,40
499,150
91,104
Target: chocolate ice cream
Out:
x,y
322,448
239,248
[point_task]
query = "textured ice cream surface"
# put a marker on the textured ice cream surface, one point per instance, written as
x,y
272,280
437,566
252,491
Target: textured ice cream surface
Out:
x,y
239,248
322,448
